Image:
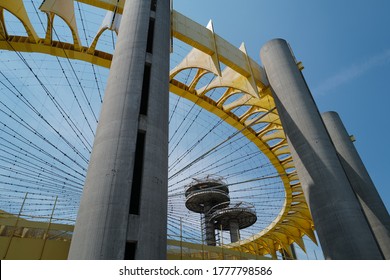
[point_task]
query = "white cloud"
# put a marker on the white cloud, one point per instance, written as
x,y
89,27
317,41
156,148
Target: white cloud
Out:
x,y
354,71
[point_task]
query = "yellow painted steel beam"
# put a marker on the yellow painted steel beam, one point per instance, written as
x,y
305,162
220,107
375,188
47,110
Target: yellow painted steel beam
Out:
x,y
61,49
17,8
201,38
110,5
65,10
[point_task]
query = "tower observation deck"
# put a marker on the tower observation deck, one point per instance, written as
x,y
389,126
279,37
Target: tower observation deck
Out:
x,y
201,197
233,217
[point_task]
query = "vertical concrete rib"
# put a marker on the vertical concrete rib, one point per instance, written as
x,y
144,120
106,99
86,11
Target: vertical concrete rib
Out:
x,y
128,135
364,188
152,232
341,226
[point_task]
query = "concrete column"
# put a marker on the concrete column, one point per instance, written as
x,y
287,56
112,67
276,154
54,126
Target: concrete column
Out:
x,y
234,230
341,226
293,252
123,209
209,227
364,188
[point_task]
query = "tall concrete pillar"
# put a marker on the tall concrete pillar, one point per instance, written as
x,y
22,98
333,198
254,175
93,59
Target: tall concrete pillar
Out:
x,y
364,188
341,226
123,209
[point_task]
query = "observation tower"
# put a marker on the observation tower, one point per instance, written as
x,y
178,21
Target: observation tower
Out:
x,y
210,197
233,217
204,195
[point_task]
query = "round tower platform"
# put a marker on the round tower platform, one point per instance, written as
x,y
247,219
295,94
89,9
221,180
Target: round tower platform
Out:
x,y
233,218
206,194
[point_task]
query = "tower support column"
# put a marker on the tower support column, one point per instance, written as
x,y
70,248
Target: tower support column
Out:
x,y
364,188
123,209
341,226
234,230
209,227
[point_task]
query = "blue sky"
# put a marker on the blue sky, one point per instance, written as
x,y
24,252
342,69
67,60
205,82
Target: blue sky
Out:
x,y
345,48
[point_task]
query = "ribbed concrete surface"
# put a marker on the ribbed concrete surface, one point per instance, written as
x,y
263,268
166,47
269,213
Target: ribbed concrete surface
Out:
x,y
364,188
342,228
102,227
